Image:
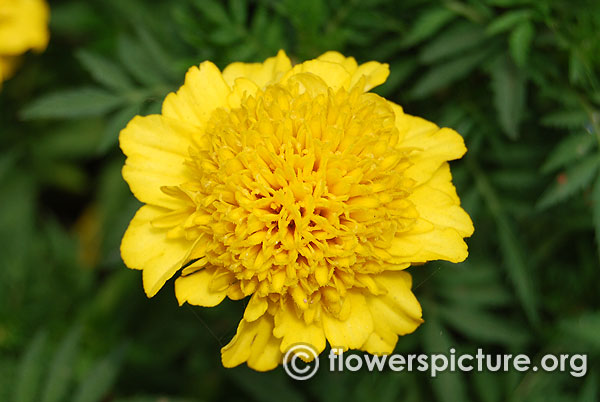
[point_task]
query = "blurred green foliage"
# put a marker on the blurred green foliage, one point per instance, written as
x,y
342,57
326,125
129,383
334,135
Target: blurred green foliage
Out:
x,y
519,79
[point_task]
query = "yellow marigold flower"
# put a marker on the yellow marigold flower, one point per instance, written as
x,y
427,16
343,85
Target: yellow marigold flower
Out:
x,y
297,187
23,27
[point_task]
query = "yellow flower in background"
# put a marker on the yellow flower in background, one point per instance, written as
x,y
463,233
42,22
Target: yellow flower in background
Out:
x,y
297,187
23,27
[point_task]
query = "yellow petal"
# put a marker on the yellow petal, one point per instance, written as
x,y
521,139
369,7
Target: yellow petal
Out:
x,y
255,344
195,289
204,91
234,292
397,312
293,329
349,63
147,248
262,74
430,146
334,75
437,244
156,150
353,331
441,226
23,26
374,73
256,307
241,88
437,202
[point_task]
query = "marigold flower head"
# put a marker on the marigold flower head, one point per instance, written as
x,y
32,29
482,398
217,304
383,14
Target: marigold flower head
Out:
x,y
23,27
296,187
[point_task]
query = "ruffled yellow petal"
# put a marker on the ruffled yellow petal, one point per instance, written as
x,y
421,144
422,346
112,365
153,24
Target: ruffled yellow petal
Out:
x,y
441,226
204,91
349,63
241,88
196,289
156,149
354,330
430,146
397,312
435,244
293,329
437,202
374,73
254,344
262,74
334,75
23,26
147,248
256,307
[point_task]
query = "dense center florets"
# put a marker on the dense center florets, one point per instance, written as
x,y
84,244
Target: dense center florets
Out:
x,y
300,190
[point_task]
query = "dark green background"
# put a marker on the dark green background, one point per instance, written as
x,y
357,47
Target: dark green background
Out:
x,y
518,79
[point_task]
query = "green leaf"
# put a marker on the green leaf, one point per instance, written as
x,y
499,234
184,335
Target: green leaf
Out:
x,y
453,41
447,386
61,368
138,62
567,184
577,69
111,295
30,370
225,36
239,11
488,386
575,146
213,10
515,179
596,212
510,3
509,96
71,140
510,246
520,42
482,326
266,387
576,118
583,329
156,398
100,378
486,295
399,72
476,12
260,20
518,271
472,273
427,24
385,387
7,162
17,216
307,15
70,104
589,391
73,19
104,71
507,21
446,73
155,50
